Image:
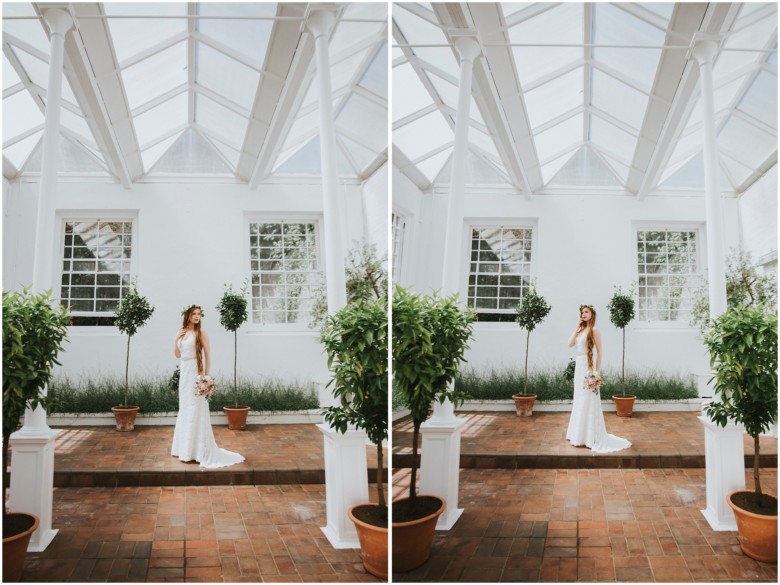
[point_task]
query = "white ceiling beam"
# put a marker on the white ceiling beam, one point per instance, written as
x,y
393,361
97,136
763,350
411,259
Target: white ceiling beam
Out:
x,y
762,169
191,62
153,50
409,169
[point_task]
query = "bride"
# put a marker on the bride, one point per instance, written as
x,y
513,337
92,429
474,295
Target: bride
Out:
x,y
193,438
586,425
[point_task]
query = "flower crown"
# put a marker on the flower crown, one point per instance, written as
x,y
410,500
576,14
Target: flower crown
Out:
x,y
191,307
587,307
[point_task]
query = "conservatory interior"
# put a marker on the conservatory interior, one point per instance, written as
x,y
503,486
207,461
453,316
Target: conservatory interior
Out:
x,y
602,147
177,149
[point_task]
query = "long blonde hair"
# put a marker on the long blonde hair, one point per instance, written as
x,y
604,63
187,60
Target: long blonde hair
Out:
x,y
589,339
198,338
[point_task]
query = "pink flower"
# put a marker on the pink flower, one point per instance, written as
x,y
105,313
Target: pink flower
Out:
x,y
593,381
205,386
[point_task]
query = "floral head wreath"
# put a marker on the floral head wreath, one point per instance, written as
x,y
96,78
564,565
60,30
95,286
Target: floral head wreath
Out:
x,y
587,307
190,308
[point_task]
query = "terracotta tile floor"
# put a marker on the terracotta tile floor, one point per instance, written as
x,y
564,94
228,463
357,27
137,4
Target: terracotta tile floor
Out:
x,y
233,533
540,525
502,439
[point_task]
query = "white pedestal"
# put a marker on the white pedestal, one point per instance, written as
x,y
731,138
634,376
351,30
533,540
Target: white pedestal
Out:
x,y
325,393
440,461
32,480
725,461
346,485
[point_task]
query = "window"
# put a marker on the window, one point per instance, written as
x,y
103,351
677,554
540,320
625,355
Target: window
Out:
x,y
95,268
500,270
284,264
399,231
668,273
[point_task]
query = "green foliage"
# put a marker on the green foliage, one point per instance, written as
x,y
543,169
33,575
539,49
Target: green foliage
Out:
x,y
132,313
553,385
366,280
173,383
621,308
743,355
568,373
430,337
745,287
355,341
153,395
531,311
233,313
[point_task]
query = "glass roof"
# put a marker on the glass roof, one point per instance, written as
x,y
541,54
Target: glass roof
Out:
x,y
199,82
575,86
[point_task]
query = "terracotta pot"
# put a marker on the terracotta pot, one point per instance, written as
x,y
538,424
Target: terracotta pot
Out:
x,y
125,417
373,544
757,532
524,404
624,405
412,540
236,416
15,549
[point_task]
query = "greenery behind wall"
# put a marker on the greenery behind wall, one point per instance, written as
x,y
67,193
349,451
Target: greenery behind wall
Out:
x,y
157,395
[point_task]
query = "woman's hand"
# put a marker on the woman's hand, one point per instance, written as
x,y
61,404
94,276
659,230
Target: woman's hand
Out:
x,y
182,333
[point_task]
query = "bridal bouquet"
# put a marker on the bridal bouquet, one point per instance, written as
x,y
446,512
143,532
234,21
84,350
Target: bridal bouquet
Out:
x,y
205,386
593,381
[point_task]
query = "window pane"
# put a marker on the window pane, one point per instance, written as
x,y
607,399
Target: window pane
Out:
x,y
226,76
219,120
155,75
554,98
249,37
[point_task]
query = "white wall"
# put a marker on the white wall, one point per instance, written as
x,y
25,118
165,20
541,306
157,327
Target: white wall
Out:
x,y
375,210
407,201
585,246
758,216
190,240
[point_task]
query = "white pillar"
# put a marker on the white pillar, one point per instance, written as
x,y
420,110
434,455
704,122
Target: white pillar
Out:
x,y
346,483
440,457
32,460
724,450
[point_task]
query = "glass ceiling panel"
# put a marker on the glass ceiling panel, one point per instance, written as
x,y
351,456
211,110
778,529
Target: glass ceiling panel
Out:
x,y
10,78
30,31
38,72
161,119
585,168
746,143
248,37
562,24
477,172
617,167
230,153
304,126
423,135
772,58
219,120
484,142
511,8
308,161
449,95
612,139
419,31
552,167
348,34
153,153
618,99
18,153
70,159
559,138
20,114
613,26
361,155
366,119
156,75
226,76
760,100
739,172
75,123
554,98
133,36
686,146
756,36
750,7
432,166
190,154
409,94
664,9
375,77
343,73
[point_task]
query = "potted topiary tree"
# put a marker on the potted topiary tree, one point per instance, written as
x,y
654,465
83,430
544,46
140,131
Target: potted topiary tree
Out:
x,y
531,311
33,332
233,313
132,313
430,336
743,355
621,312
355,341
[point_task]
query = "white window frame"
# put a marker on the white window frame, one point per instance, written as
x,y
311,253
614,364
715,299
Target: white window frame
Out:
x,y
514,223
398,244
701,256
74,215
292,217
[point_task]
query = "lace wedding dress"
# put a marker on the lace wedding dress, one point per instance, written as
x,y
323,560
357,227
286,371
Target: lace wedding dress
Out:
x,y
586,425
193,438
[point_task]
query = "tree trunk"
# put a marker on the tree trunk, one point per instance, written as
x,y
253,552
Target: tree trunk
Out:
x,y
756,477
380,488
235,363
6,441
525,376
623,375
127,366
413,479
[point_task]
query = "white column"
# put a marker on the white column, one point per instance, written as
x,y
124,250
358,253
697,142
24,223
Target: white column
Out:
x,y
724,450
320,23
32,447
440,455
346,476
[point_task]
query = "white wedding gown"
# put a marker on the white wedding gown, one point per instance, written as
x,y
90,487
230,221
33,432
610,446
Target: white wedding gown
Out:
x,y
586,425
193,438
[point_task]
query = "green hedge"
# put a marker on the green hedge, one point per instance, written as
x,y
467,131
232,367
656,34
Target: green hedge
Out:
x,y
155,395
551,385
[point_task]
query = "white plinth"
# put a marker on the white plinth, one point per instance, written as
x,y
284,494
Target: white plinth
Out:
x,y
346,484
440,462
32,481
724,455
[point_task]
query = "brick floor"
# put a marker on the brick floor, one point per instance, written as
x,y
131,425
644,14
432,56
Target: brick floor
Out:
x,y
212,534
504,440
548,525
